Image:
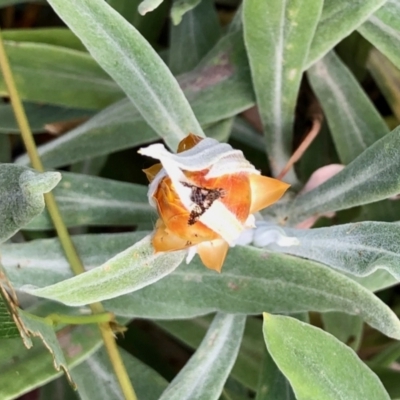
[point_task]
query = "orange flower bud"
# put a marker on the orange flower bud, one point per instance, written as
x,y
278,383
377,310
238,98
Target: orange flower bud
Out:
x,y
205,196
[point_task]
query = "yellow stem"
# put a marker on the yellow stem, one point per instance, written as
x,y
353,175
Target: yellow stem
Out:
x,y
62,232
55,319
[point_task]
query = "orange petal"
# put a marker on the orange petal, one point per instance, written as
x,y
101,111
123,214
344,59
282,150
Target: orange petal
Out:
x,y
213,253
265,191
152,171
163,240
188,142
235,186
176,217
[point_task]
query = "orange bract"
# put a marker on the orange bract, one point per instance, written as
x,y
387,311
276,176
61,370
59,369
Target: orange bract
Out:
x,y
179,227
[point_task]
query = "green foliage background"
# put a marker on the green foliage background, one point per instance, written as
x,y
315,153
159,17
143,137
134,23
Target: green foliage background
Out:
x,y
98,81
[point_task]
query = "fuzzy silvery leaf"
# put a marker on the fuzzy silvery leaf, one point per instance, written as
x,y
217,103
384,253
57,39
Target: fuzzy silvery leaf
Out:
x,y
359,249
383,31
128,271
278,34
286,284
131,61
345,376
204,376
219,87
21,196
371,177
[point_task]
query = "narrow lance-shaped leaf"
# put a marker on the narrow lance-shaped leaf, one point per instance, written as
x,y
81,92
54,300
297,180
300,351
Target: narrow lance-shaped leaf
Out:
x,y
359,249
95,378
193,37
220,87
120,49
204,376
347,328
180,8
387,76
31,325
56,36
77,343
288,285
338,19
128,271
383,31
248,361
56,75
345,376
278,36
353,120
371,177
148,5
272,384
40,115
89,200
21,196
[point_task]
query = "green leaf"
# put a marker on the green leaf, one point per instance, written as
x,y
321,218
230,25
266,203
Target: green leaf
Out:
x,y
387,76
128,271
278,36
221,130
94,250
306,367
359,249
346,328
21,196
37,326
180,8
110,130
338,19
18,363
134,65
90,200
6,3
193,37
148,5
382,30
96,378
57,75
378,280
353,51
245,133
55,36
5,149
387,356
390,380
61,387
371,177
204,375
272,384
288,285
353,120
248,362
39,115
218,88
8,329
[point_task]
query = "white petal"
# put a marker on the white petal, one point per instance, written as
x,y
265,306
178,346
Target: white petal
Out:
x,y
220,158
222,221
192,251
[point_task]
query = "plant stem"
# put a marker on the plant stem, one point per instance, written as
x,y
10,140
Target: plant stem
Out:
x,y
62,232
55,319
